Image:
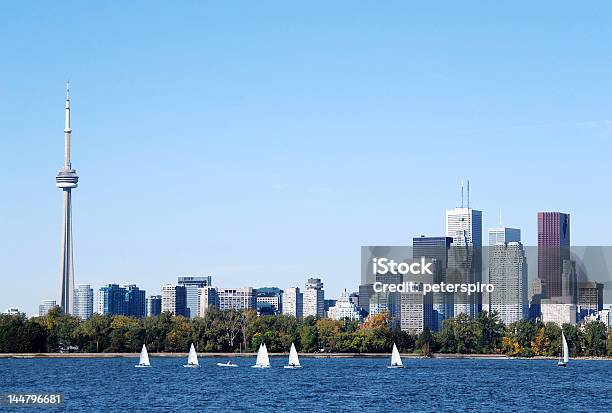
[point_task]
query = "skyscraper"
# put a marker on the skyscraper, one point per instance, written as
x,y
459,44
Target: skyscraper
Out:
x,y
83,301
293,302
590,296
192,284
208,297
553,249
66,180
154,304
314,298
136,305
45,306
464,225
504,235
174,299
111,300
508,275
435,248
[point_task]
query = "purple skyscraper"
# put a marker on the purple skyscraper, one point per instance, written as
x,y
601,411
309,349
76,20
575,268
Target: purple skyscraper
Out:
x,y
553,249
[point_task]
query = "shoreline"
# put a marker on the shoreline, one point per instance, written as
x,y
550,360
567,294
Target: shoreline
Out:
x,y
303,355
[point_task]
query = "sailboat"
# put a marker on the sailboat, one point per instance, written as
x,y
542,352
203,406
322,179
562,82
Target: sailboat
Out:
x,y
294,361
144,358
228,364
563,362
263,362
396,360
192,360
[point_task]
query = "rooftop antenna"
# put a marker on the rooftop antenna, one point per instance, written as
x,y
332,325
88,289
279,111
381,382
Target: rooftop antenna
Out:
x,y
468,194
462,193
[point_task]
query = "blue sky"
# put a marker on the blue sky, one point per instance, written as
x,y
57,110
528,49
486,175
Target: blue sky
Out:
x,y
263,142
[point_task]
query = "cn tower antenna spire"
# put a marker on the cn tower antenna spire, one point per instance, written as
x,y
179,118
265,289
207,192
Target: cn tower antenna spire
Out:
x,y
67,130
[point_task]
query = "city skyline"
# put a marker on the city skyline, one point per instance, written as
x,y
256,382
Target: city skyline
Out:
x,y
262,149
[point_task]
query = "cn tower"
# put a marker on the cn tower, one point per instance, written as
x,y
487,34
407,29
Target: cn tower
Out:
x,y
66,180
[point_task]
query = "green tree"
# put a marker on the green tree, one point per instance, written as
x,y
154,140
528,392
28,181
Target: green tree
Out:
x,y
595,338
309,339
490,332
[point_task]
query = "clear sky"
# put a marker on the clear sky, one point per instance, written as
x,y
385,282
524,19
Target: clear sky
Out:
x,y
264,142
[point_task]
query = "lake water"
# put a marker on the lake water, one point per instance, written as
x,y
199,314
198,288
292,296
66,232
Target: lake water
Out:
x,y
356,385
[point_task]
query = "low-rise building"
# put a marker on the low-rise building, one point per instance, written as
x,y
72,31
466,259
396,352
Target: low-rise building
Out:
x,y
344,309
558,313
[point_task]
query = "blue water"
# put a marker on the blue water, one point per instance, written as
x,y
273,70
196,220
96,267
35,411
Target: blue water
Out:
x,y
431,385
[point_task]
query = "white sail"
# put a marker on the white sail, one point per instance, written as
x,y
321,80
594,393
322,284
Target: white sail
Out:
x,y
192,360
293,356
262,357
144,357
396,360
565,349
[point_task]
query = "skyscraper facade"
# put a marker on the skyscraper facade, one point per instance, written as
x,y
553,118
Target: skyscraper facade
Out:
x,y
208,297
293,302
45,306
508,275
314,298
67,180
192,284
504,235
464,225
174,299
111,300
590,296
435,248
237,298
271,297
83,301
154,305
135,298
553,249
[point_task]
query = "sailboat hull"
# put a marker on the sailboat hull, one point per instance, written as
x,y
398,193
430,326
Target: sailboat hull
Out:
x,y
561,364
292,367
260,367
141,365
193,366
395,367
226,365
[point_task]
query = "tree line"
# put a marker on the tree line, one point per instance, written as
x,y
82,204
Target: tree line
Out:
x,y
235,331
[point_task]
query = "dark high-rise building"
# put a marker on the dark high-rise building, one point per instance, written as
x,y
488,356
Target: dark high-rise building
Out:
x,y
192,285
590,296
111,300
436,248
135,301
154,305
432,247
553,249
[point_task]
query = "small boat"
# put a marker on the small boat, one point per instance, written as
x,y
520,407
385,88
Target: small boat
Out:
x,y
294,361
563,361
228,364
396,360
262,362
144,358
192,360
